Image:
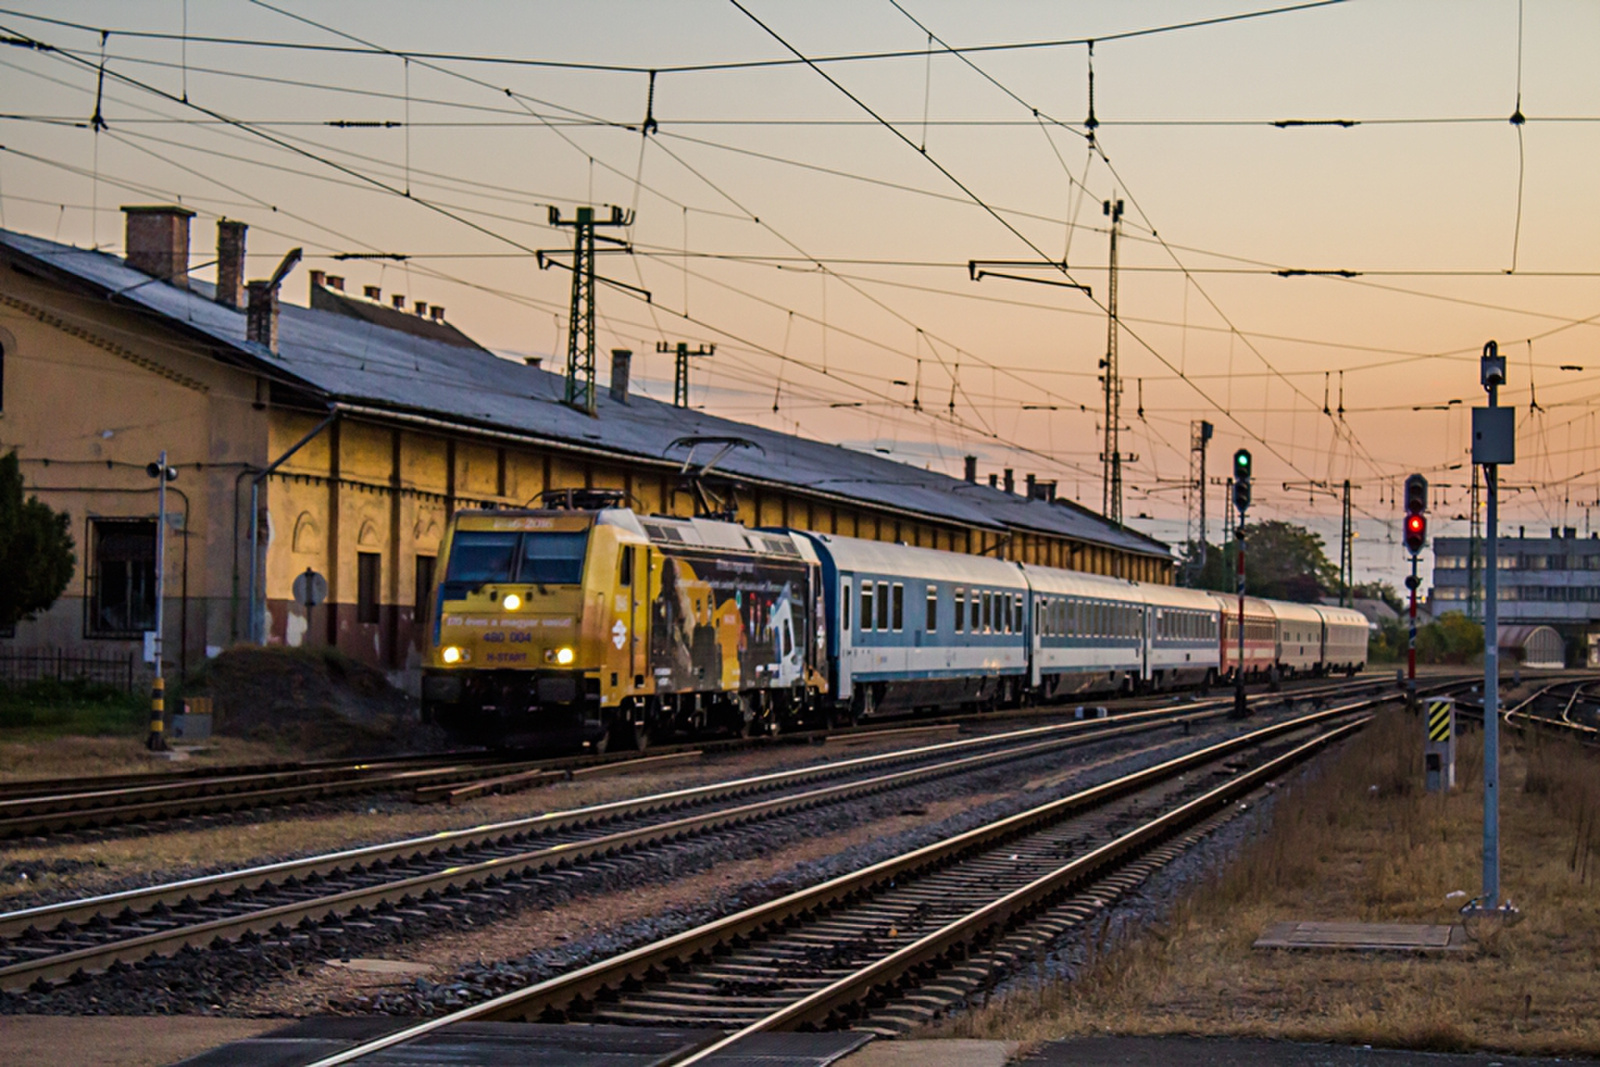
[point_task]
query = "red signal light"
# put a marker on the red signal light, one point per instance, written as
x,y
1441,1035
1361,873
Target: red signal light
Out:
x,y
1416,532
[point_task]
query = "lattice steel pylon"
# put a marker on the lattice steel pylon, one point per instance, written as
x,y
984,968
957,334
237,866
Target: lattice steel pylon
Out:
x,y
1200,433
580,331
1347,550
1111,457
680,371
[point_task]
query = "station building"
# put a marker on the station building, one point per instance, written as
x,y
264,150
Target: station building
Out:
x,y
358,425
1550,583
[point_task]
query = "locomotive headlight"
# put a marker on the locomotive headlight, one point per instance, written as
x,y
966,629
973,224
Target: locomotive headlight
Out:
x,y
451,654
564,656
511,602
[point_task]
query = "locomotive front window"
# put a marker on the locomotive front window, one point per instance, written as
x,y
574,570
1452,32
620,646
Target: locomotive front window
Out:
x,y
477,557
553,558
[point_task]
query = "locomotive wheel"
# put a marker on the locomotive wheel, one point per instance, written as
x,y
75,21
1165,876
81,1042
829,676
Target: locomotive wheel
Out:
x,y
638,735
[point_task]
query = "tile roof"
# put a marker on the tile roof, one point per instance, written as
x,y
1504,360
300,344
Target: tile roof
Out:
x,y
356,361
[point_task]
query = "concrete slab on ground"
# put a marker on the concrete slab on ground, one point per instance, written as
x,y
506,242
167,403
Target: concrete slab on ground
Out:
x,y
508,1044
955,1052
1209,1052
119,1040
1363,937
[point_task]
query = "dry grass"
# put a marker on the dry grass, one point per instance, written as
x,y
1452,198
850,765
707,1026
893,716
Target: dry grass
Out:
x,y
1358,839
88,757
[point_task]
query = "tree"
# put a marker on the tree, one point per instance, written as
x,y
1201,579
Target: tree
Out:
x,y
1282,561
36,549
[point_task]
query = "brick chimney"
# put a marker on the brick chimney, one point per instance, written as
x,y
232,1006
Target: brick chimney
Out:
x,y
372,292
621,363
261,317
399,301
230,263
1011,481
335,282
157,241
436,313
972,468
1032,482
421,308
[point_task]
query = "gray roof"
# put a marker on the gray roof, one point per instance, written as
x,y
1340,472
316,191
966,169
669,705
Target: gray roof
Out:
x,y
349,360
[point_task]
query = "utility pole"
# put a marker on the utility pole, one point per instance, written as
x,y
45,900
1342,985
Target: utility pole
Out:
x,y
580,331
1242,475
1474,550
156,739
680,377
1111,457
1494,441
1347,552
1200,433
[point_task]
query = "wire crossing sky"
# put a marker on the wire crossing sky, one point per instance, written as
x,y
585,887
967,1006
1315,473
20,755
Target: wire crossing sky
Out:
x,y
1331,206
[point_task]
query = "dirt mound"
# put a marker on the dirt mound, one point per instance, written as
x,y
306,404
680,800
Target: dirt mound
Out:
x,y
315,700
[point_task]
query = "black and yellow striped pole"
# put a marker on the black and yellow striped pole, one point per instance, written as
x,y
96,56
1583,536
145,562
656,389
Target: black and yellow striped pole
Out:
x,y
156,741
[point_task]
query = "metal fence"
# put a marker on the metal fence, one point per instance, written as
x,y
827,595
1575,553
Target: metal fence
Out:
x,y
20,668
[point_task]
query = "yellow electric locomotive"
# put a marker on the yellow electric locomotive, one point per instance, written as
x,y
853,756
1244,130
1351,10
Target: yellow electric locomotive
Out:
x,y
581,622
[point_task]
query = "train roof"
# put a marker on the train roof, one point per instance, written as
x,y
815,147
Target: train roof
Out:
x,y
372,369
928,564
1176,596
1292,612
1080,583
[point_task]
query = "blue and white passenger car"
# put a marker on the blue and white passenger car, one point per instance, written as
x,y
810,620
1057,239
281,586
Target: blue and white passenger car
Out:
x,y
1088,632
1183,637
920,628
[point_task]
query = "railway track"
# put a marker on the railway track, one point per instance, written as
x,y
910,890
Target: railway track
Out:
x,y
38,808
1551,708
392,883
880,947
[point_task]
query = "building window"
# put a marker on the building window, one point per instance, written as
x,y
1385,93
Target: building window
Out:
x,y
961,609
899,607
424,594
866,606
369,572
933,609
883,605
121,599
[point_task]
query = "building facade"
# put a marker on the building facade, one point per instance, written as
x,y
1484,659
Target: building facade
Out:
x,y
1543,581
356,425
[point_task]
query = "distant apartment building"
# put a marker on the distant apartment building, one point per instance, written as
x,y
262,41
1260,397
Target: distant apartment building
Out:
x,y
1544,581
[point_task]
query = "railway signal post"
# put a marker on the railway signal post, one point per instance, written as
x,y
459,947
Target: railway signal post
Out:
x,y
1416,537
1241,502
156,739
1494,441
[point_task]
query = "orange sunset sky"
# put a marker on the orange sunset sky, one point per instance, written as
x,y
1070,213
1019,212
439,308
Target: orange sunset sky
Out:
x,y
815,221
